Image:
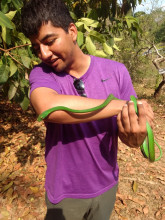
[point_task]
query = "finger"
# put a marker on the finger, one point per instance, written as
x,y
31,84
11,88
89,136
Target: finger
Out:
x,y
133,117
150,120
149,113
142,117
148,108
119,123
125,118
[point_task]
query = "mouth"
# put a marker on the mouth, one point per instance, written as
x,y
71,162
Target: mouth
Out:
x,y
53,62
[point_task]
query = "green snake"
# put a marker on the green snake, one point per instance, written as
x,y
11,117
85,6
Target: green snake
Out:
x,y
148,146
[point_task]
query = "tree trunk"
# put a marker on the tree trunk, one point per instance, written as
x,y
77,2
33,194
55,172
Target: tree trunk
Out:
x,y
159,88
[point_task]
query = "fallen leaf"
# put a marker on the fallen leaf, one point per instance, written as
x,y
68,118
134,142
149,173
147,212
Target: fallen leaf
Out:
x,y
145,210
5,213
157,214
136,200
2,139
17,166
134,186
34,189
3,176
7,186
15,195
162,182
161,178
25,212
9,193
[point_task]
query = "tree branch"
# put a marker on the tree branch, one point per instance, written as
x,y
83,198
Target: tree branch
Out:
x,y
7,50
157,51
15,59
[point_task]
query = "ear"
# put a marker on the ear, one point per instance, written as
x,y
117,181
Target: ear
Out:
x,y
72,30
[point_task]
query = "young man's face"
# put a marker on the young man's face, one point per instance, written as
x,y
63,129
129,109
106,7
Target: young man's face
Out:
x,y
55,47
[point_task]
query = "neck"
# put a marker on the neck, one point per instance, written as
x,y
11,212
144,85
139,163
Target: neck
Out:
x,y
80,64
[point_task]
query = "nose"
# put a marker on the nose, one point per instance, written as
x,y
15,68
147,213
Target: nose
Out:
x,y
45,52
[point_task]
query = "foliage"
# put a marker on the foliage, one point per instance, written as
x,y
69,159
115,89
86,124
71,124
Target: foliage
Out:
x,y
139,59
160,34
153,25
16,58
100,25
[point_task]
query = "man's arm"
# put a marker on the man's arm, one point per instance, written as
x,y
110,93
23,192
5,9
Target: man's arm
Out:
x,y
132,128
44,98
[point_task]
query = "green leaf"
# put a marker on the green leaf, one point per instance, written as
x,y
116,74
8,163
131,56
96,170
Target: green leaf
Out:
x,y
26,61
90,22
24,83
4,6
134,34
12,90
73,15
17,4
11,14
97,36
87,28
30,54
24,57
25,103
4,73
22,37
117,39
90,46
107,49
100,53
131,19
5,21
79,24
111,41
13,68
6,35
93,14
80,38
129,23
115,47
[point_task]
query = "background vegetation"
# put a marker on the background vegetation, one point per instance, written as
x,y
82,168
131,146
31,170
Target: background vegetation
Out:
x,y
105,28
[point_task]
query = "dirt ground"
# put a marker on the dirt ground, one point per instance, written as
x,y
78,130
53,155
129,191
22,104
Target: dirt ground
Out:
x,y
141,192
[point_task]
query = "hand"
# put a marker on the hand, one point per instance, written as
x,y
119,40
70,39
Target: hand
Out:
x,y
132,128
149,113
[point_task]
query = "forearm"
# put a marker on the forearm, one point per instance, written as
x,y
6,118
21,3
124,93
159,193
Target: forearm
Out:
x,y
75,102
65,117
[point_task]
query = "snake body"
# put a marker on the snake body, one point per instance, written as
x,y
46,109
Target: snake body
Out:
x,y
148,146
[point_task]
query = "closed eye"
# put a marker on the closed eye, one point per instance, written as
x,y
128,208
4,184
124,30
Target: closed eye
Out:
x,y
50,43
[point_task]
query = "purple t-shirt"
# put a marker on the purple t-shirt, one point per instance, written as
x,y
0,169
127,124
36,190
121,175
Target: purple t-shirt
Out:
x,y
82,158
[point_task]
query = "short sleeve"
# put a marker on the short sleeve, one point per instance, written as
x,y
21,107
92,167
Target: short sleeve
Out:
x,y
125,83
42,76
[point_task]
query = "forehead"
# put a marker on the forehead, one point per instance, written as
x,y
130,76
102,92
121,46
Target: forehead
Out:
x,y
45,31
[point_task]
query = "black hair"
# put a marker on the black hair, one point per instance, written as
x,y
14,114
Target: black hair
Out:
x,y
37,12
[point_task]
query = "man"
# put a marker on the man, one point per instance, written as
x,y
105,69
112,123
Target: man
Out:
x,y
81,149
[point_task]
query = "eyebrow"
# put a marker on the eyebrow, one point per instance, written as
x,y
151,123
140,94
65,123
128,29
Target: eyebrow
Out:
x,y
47,36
